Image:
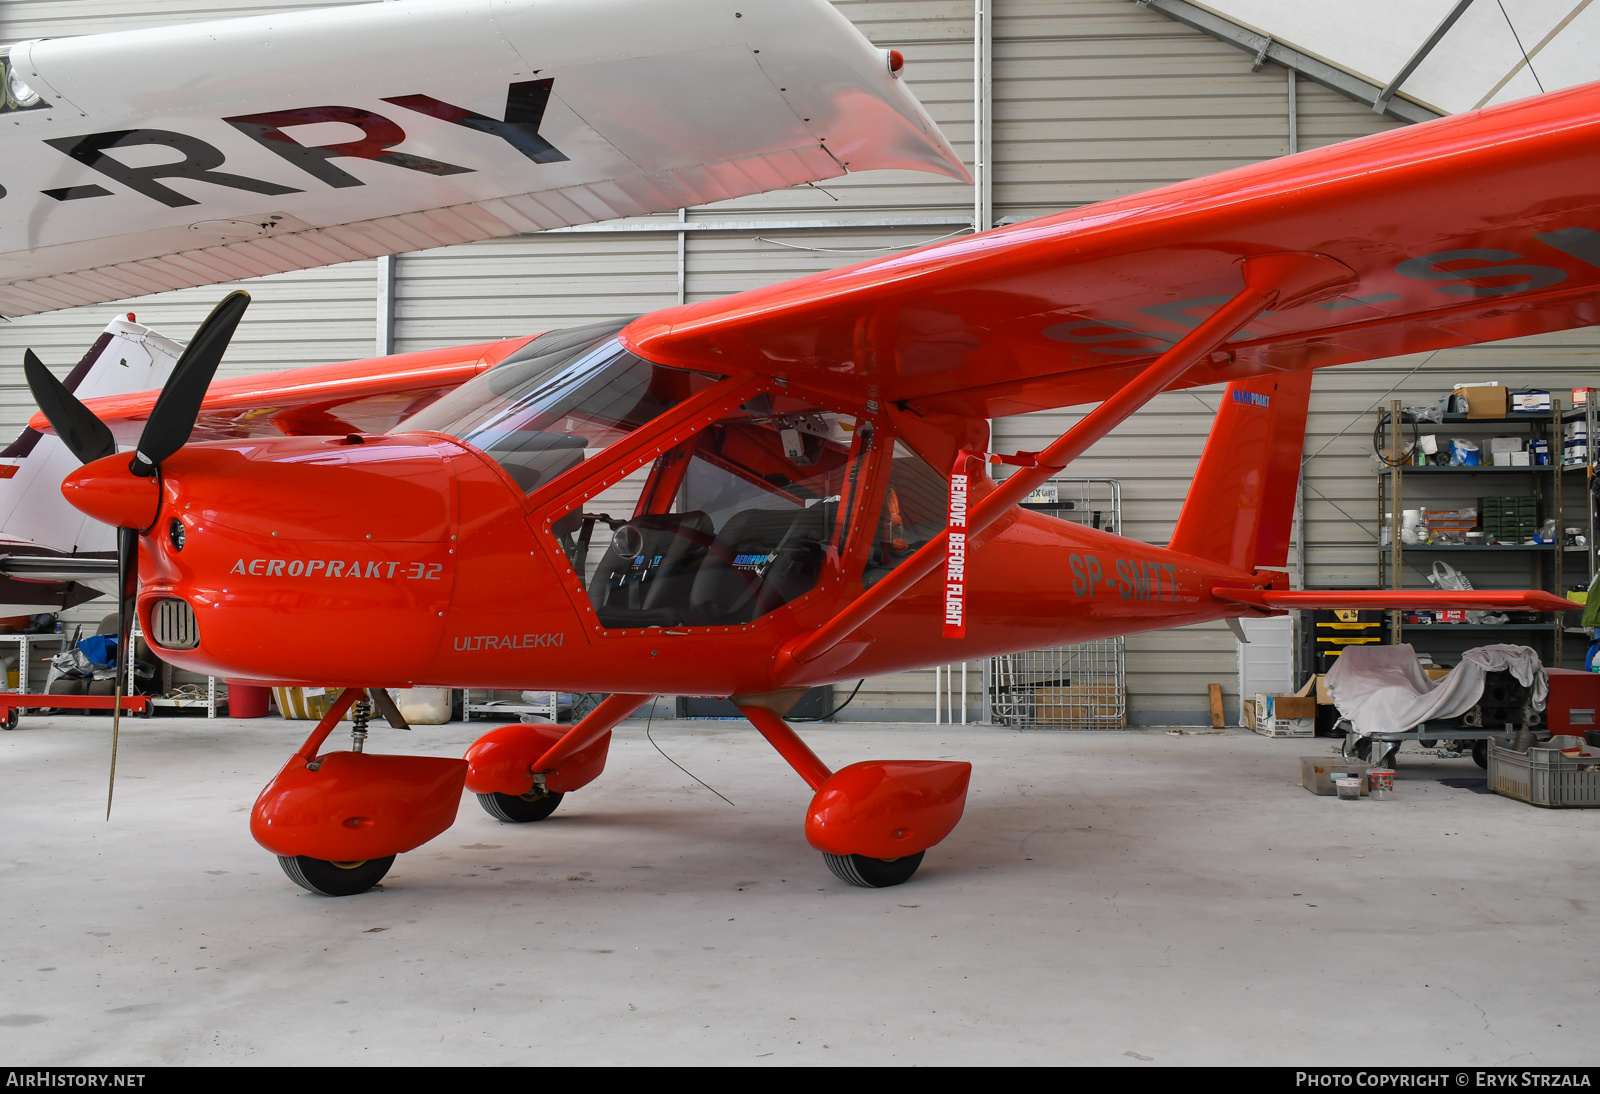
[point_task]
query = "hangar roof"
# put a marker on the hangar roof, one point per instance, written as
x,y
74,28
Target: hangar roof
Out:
x,y
1495,51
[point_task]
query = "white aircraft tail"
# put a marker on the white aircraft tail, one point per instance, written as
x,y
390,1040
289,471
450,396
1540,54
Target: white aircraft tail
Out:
x,y
128,357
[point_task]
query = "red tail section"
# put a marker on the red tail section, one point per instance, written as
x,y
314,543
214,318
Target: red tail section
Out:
x,y
1241,504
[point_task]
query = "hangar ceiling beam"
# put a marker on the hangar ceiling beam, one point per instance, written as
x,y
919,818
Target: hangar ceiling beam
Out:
x,y
766,224
1264,48
1385,96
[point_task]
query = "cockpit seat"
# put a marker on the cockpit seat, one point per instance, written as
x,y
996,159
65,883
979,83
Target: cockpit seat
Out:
x,y
762,558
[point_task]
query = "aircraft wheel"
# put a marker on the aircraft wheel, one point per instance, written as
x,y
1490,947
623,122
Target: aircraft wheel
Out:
x,y
873,873
535,805
1480,754
13,717
335,878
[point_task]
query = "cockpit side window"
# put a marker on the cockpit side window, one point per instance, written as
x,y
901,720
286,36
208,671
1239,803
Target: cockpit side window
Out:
x,y
735,522
914,512
541,414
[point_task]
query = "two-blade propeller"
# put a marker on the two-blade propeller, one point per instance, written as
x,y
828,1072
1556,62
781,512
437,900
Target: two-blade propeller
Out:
x,y
168,429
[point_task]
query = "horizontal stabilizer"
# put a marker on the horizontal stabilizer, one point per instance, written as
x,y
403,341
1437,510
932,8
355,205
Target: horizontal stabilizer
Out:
x,y
1521,600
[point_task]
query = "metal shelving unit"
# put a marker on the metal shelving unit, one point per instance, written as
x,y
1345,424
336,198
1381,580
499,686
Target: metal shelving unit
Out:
x,y
25,644
1549,560
482,701
1081,686
208,704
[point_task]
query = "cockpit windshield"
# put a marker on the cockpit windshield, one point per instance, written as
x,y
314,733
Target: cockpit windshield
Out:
x,y
559,400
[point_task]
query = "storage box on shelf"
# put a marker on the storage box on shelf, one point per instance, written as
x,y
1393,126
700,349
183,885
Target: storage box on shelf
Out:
x,y
1336,630
1451,499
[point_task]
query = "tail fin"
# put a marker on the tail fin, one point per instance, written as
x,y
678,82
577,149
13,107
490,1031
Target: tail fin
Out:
x,y
128,357
1241,503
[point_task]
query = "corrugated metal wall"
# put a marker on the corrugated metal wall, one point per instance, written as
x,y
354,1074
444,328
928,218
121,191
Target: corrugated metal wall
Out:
x,y
1091,99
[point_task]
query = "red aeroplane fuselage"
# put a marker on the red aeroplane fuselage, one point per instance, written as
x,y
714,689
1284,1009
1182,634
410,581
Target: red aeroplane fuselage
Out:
x,y
413,559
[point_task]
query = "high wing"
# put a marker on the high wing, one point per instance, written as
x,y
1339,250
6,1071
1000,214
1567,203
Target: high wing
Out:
x,y
147,160
1473,228
371,396
1469,229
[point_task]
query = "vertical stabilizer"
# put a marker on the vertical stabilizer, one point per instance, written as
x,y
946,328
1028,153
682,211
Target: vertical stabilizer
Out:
x,y
128,357
1241,504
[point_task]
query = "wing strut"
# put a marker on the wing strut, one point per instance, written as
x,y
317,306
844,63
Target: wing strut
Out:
x,y
1280,281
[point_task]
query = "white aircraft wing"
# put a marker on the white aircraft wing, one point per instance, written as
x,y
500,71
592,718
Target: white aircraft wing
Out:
x,y
147,160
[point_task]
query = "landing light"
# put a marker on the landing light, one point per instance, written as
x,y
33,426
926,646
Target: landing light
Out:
x,y
20,93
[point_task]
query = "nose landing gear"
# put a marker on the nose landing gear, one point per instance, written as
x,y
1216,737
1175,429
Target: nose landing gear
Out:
x,y
335,878
337,820
873,873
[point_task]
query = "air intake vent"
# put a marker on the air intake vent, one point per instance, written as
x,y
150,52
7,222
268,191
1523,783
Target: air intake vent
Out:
x,y
173,626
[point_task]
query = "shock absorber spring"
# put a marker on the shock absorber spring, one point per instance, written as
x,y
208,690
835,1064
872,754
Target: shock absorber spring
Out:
x,y
360,715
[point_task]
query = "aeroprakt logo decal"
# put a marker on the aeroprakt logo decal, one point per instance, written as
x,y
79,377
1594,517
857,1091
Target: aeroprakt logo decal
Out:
x,y
334,567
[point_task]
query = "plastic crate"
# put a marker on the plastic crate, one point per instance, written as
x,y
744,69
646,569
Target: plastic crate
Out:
x,y
1543,776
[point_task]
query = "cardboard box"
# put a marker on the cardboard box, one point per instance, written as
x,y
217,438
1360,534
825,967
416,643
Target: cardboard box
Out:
x,y
1580,397
1316,773
1489,401
303,703
1286,715
1435,672
1530,402
1450,616
1076,704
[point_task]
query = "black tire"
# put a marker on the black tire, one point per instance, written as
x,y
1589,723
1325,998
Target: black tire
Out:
x,y
1428,744
1480,754
13,717
873,873
535,805
335,878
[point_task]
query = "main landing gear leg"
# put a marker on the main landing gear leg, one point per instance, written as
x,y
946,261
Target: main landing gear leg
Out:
x,y
520,772
872,821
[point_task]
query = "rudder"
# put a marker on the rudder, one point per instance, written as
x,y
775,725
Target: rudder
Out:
x,y
1241,504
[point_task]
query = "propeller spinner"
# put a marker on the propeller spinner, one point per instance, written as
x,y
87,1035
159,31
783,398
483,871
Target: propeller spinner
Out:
x,y
129,499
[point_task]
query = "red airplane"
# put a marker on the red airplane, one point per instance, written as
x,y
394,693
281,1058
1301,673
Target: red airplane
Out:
x,y
787,487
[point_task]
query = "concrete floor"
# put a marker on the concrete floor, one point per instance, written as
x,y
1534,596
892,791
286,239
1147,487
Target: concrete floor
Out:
x,y
1109,899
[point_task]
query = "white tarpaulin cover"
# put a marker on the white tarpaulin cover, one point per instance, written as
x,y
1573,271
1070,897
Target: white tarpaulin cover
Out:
x,y
1382,689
